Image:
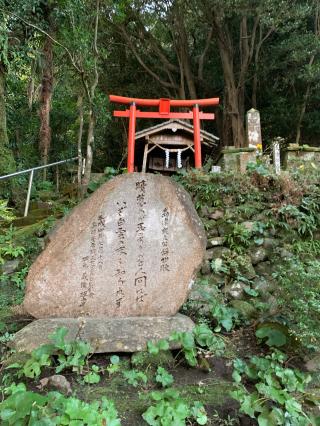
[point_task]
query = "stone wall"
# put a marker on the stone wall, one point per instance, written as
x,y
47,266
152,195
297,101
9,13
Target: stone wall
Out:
x,y
297,156
236,159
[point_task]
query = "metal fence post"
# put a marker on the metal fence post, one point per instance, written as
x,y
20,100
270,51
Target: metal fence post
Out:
x,y
26,209
31,171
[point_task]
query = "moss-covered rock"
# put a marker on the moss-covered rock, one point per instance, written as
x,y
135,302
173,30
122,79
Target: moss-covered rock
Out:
x,y
246,309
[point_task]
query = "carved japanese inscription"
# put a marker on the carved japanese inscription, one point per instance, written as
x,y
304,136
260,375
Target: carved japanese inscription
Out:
x,y
131,249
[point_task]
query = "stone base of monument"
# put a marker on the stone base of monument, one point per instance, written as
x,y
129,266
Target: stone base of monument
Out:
x,y
106,335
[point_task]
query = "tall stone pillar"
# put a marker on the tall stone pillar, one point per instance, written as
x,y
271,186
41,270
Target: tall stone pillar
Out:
x,y
254,129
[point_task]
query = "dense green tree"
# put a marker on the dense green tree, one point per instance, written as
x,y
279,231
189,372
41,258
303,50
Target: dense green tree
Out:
x,y
61,58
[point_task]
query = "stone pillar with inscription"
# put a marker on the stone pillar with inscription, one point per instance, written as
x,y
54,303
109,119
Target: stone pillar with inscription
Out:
x,y
118,268
254,128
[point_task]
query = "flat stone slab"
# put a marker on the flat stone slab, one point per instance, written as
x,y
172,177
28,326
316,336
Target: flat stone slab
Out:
x,y
104,334
131,249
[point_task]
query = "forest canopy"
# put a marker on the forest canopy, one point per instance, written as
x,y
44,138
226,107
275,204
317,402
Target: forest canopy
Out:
x,y
60,59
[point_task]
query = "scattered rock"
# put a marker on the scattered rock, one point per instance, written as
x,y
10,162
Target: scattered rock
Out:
x,y
212,233
217,241
224,229
270,243
245,308
257,255
42,243
58,382
236,289
104,334
246,268
264,268
273,232
313,365
248,225
215,252
273,305
203,292
204,211
10,266
285,254
217,214
206,268
263,286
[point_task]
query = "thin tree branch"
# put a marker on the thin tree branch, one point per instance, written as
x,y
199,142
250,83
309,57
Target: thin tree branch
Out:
x,y
29,24
203,54
143,64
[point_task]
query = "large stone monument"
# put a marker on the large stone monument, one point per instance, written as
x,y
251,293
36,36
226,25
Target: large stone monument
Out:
x,y
118,268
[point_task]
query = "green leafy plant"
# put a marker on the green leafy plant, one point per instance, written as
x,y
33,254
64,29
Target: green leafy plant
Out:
x,y
40,357
274,334
109,172
6,337
225,316
302,312
13,251
201,340
6,213
163,377
114,365
70,354
8,248
155,347
45,185
258,168
17,278
170,408
218,266
307,248
239,238
186,340
93,376
304,218
135,377
24,407
279,390
67,355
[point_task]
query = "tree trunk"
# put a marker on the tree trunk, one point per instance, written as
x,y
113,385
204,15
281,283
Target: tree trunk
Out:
x,y
231,101
92,118
307,92
301,114
80,109
182,50
7,163
45,102
3,116
89,159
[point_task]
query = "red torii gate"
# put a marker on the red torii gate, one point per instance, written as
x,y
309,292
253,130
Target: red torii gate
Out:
x,y
164,112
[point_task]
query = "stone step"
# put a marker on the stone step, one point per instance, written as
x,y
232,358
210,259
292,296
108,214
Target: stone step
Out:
x,y
105,335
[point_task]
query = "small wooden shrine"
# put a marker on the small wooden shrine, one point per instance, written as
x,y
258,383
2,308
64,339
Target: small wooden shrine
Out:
x,y
169,146
165,111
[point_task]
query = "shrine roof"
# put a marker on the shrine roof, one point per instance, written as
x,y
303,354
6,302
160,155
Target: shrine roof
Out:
x,y
174,125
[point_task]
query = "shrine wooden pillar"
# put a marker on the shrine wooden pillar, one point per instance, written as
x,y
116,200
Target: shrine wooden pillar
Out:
x,y
196,137
131,137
